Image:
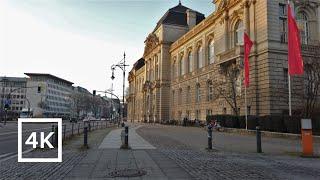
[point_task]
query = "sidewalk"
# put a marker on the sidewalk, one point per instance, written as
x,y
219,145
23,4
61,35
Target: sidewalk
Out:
x,y
108,161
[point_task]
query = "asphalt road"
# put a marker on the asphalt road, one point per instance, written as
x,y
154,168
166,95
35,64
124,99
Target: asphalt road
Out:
x,y
9,136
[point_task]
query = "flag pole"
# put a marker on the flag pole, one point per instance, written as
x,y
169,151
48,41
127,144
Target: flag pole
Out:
x,y
246,108
289,84
289,78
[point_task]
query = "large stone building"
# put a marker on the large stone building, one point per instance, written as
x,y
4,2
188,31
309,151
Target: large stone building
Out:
x,y
187,57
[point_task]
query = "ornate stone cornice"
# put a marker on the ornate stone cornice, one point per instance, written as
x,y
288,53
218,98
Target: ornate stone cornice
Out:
x,y
151,43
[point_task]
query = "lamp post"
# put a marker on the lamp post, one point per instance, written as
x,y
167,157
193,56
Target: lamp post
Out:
x,y
122,65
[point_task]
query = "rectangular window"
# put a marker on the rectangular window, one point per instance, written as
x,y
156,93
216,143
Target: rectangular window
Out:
x,y
285,78
198,114
224,110
210,92
188,94
248,110
283,23
198,95
209,112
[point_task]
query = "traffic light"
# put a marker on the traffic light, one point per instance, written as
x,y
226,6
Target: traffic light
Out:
x,y
94,92
39,89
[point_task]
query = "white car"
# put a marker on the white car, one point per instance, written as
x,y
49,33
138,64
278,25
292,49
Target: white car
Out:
x,y
89,119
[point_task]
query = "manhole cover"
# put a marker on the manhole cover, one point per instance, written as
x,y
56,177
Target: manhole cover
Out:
x,y
128,173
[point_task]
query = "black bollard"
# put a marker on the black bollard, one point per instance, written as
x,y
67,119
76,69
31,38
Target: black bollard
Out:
x,y
126,138
259,149
85,137
209,137
72,129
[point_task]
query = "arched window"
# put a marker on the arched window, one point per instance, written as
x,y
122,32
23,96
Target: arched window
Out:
x,y
199,58
190,62
302,20
238,35
211,55
181,66
210,91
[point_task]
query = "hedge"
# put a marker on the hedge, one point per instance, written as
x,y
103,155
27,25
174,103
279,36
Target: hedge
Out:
x,y
273,123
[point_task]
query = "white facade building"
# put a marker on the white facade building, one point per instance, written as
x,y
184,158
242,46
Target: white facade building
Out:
x,y
49,95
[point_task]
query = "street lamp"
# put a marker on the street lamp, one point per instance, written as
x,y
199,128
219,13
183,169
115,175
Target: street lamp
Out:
x,y
122,65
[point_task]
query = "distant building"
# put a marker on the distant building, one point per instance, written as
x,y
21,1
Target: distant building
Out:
x,y
12,92
79,102
53,100
113,108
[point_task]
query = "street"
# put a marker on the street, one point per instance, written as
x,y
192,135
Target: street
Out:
x,y
9,136
169,152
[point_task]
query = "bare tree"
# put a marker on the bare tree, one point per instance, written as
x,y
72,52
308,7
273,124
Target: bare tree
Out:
x,y
227,86
78,101
312,85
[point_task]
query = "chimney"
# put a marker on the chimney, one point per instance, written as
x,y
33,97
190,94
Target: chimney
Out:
x,y
191,18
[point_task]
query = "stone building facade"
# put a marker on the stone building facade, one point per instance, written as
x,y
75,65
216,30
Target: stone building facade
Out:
x,y
187,55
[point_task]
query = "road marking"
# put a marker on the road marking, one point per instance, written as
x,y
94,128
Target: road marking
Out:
x,y
8,133
15,155
7,154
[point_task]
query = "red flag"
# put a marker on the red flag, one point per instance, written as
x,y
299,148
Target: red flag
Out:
x,y
247,48
295,62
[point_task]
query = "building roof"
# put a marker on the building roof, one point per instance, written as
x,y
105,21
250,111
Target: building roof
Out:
x,y
178,16
139,64
48,76
16,79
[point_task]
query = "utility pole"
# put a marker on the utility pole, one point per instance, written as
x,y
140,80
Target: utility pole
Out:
x,y
122,65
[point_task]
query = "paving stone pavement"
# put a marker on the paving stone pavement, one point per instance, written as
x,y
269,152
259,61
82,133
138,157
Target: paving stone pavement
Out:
x,y
172,159
201,164
72,155
113,140
101,162
11,169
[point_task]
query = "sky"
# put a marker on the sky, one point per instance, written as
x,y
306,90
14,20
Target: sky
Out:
x,y
79,40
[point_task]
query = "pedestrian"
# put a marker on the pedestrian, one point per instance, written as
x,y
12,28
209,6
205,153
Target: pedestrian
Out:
x,y
184,121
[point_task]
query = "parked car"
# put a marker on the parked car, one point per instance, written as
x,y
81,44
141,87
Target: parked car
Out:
x,y
90,118
73,120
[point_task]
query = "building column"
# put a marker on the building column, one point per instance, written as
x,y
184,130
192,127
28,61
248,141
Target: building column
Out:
x,y
226,31
246,19
194,57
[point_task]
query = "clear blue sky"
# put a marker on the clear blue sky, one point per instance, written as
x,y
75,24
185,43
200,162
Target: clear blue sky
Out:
x,y
79,39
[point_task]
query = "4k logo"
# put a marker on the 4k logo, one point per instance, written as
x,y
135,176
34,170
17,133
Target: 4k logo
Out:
x,y
32,140
43,141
